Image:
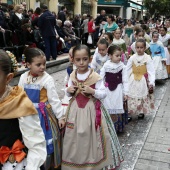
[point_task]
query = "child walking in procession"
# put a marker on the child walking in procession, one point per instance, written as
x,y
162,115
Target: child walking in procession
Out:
x,y
158,56
101,57
141,75
22,142
139,34
108,36
115,76
90,141
165,38
117,40
41,90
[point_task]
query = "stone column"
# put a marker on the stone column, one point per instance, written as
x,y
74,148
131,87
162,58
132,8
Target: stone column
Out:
x,y
32,4
94,8
77,7
53,5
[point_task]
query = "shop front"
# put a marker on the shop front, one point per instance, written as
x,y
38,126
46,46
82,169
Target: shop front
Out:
x,y
114,7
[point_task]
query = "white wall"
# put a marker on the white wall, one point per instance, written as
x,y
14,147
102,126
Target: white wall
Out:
x,y
128,13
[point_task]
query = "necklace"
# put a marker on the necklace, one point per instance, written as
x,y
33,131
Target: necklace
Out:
x,y
81,82
32,78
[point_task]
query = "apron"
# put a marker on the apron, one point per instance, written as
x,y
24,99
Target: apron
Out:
x,y
33,92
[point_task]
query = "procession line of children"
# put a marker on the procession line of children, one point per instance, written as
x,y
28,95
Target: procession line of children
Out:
x,y
94,108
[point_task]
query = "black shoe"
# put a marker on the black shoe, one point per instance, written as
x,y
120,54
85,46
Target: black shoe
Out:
x,y
141,116
129,118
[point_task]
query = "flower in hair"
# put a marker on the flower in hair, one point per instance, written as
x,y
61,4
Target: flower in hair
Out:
x,y
13,61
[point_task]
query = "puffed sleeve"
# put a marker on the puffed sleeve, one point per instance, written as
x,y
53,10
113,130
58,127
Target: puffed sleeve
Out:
x,y
163,53
151,72
21,81
125,81
93,63
100,90
129,66
53,98
102,72
34,140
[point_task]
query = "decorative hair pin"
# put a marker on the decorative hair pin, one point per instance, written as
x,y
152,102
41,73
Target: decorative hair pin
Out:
x,y
14,62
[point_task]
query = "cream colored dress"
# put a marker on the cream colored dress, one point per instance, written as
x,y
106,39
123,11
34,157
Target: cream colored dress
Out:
x,y
87,146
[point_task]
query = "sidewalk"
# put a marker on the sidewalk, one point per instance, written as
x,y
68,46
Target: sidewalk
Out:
x,y
145,142
154,154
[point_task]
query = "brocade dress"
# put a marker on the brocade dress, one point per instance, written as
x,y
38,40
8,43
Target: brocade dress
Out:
x,y
116,82
141,74
90,141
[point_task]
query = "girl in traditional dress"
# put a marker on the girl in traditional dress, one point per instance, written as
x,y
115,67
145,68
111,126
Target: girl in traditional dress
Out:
x,y
117,40
165,38
22,142
101,57
90,141
115,76
41,90
108,36
139,34
158,56
141,75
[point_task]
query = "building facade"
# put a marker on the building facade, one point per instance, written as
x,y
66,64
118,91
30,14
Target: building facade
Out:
x,y
124,8
73,6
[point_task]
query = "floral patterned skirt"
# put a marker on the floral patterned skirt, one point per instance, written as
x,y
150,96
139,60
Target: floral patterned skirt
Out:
x,y
143,105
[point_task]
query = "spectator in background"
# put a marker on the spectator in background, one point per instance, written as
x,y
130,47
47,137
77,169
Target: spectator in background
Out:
x,y
62,14
70,34
54,13
15,24
16,19
37,13
91,30
46,24
101,18
85,28
28,35
24,5
2,19
30,14
76,25
111,25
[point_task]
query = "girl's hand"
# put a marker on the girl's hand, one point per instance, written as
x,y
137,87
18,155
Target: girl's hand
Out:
x,y
71,89
88,90
164,62
150,89
61,123
125,97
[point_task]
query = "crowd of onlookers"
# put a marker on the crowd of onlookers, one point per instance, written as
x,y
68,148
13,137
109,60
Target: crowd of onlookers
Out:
x,y
47,30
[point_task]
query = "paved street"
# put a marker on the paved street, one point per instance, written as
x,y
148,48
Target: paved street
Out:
x,y
145,142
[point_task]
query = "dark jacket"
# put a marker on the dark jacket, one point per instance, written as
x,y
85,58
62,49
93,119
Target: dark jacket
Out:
x,y
60,31
46,24
62,16
15,23
99,19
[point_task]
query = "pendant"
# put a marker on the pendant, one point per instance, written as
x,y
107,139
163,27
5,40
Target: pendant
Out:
x,y
34,79
11,158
